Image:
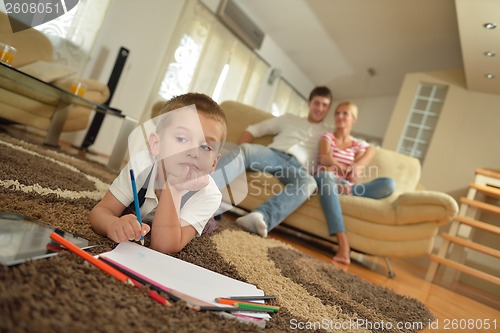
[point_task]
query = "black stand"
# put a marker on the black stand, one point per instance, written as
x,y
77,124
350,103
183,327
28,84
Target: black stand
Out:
x,y
95,126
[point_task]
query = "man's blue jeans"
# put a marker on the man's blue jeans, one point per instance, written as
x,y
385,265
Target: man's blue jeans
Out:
x,y
329,196
298,183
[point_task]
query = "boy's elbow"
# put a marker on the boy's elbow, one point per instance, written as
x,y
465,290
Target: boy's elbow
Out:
x,y
93,220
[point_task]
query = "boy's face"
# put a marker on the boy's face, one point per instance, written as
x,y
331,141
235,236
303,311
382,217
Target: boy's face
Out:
x,y
189,141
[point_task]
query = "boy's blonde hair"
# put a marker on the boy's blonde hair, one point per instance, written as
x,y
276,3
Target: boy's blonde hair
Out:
x,y
204,105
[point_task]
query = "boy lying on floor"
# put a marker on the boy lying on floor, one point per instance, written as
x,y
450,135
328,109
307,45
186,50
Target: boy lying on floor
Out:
x,y
185,148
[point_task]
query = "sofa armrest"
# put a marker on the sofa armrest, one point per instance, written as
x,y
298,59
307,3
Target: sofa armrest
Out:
x,y
425,206
97,91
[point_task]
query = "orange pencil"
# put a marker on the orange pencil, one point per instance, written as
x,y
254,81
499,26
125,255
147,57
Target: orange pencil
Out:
x,y
87,256
105,267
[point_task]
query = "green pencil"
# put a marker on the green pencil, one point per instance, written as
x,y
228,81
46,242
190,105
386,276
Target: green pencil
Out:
x,y
255,306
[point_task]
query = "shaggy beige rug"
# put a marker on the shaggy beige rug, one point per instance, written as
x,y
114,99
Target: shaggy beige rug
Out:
x,y
62,294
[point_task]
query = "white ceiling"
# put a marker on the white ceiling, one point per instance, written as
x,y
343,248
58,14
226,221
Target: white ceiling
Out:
x,y
335,42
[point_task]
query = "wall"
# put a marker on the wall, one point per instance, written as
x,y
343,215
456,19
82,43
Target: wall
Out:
x,y
374,112
465,138
374,115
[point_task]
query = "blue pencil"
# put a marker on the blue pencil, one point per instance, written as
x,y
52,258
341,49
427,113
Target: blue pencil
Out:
x,y
136,202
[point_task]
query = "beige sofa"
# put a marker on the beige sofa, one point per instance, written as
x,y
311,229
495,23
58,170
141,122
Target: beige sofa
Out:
x,y
35,56
402,225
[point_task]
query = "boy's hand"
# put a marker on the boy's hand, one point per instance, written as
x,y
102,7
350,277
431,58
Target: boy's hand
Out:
x,y
189,180
127,228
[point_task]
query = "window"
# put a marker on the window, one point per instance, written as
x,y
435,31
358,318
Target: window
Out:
x,y
204,56
422,120
287,100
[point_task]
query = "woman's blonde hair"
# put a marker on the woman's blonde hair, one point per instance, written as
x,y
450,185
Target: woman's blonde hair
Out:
x,y
352,107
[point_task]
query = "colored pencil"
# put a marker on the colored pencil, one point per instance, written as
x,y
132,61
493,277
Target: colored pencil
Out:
x,y
225,308
255,306
105,267
88,257
250,298
226,301
157,297
153,294
136,202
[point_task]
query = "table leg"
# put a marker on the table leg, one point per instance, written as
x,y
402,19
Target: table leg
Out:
x,y
56,125
121,143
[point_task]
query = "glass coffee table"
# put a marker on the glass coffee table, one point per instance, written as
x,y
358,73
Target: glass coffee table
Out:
x,y
28,86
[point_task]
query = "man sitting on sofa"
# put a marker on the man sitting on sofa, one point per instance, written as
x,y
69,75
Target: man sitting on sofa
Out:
x,y
290,158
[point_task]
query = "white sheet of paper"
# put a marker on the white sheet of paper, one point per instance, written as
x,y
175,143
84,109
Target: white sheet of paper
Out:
x,y
179,275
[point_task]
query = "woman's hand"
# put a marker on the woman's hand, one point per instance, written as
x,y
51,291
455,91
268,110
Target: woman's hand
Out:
x,y
126,228
354,173
339,169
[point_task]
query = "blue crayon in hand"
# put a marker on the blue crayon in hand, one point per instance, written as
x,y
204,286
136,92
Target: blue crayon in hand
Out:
x,y
136,202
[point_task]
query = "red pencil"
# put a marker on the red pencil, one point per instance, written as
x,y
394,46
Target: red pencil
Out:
x,y
151,293
105,267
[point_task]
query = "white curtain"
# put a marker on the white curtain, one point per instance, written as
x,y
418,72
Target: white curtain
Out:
x,y
73,34
204,56
193,30
287,100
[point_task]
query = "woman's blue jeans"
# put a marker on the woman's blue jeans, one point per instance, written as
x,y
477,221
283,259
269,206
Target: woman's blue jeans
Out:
x,y
329,196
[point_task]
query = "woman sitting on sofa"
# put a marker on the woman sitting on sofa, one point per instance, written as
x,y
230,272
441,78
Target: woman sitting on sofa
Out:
x,y
342,160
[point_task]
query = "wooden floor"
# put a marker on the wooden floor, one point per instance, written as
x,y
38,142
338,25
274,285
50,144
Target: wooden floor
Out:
x,y
449,306
452,305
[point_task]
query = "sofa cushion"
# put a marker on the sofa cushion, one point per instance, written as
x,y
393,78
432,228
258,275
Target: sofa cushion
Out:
x,y
29,116
239,117
47,71
405,170
377,211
